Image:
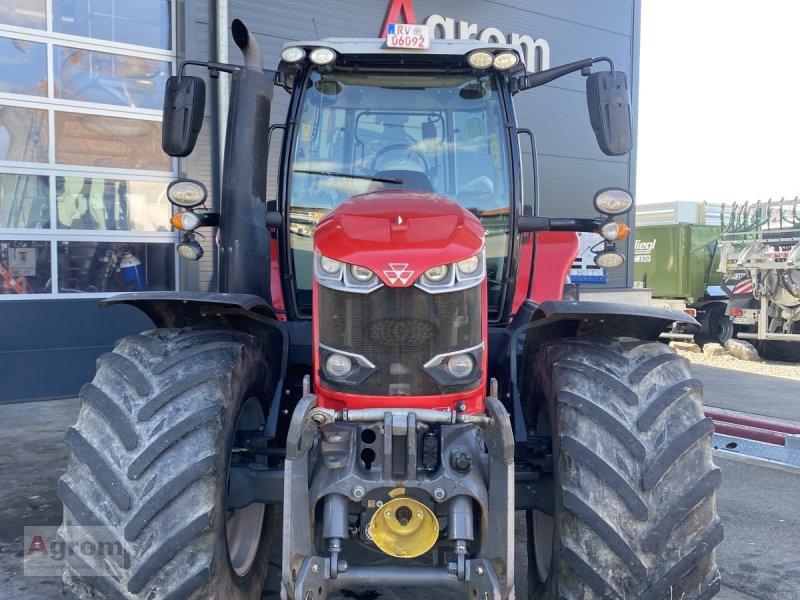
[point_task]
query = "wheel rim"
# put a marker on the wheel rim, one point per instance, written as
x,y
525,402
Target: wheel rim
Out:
x,y
243,525
543,526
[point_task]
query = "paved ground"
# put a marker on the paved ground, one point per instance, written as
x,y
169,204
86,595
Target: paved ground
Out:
x,y
747,392
758,504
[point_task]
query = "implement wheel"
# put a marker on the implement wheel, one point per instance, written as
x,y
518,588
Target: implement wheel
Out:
x,y
717,327
635,486
148,470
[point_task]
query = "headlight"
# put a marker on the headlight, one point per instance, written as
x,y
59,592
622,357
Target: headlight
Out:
x,y
293,54
456,368
362,274
614,230
329,265
186,193
436,274
469,265
338,365
322,56
480,59
613,201
609,260
190,249
460,365
505,60
185,221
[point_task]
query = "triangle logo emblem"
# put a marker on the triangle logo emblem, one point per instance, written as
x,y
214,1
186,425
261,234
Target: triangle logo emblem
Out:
x,y
398,272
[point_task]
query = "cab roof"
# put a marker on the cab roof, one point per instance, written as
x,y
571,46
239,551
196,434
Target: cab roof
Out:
x,y
374,51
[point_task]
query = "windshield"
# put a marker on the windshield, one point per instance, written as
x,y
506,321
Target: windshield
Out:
x,y
369,131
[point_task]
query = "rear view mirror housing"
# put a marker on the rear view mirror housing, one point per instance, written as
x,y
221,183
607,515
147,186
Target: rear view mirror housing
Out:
x,y
609,103
184,103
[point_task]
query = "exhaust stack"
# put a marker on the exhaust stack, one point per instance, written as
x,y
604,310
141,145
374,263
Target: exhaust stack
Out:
x,y
248,45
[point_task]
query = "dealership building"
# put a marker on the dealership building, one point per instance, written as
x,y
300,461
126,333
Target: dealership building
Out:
x,y
83,208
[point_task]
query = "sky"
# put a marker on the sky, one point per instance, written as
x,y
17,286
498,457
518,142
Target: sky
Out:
x,y
719,101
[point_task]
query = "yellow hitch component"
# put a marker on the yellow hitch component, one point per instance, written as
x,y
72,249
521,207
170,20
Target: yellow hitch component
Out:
x,y
404,528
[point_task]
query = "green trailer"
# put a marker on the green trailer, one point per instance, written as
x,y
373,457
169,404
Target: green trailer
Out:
x,y
679,263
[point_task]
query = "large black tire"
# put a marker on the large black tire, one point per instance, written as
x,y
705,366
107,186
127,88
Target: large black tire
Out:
x,y
779,350
635,485
716,326
149,462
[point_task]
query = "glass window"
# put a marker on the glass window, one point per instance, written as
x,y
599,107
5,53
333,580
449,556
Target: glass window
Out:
x,y
114,142
24,67
24,13
24,201
112,204
102,267
24,267
440,133
23,134
109,78
143,22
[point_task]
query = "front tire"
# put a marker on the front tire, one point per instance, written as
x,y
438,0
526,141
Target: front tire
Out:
x,y
635,489
148,469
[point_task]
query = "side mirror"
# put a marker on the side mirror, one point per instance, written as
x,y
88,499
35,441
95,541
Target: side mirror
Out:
x,y
608,97
184,102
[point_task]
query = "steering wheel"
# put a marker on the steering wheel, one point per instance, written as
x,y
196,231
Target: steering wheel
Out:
x,y
399,148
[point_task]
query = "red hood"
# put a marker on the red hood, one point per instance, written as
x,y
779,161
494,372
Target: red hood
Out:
x,y
399,231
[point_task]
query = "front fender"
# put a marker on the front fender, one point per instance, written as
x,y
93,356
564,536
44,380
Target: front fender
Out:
x,y
243,312
568,318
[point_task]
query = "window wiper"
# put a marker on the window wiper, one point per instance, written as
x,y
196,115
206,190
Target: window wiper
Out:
x,y
396,180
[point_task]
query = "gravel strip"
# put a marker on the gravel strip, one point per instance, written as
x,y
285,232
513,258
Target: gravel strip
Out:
x,y
728,361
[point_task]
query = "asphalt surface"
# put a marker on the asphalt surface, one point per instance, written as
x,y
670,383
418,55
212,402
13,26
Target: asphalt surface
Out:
x,y
759,503
775,397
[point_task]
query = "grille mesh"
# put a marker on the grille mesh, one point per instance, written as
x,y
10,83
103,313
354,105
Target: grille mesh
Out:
x,y
399,330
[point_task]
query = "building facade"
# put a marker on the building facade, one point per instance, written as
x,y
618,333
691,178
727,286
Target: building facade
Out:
x,y
83,212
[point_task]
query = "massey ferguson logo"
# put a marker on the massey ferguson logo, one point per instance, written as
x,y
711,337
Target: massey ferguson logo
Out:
x,y
398,272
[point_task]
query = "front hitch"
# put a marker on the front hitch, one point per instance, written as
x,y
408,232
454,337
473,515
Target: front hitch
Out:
x,y
403,483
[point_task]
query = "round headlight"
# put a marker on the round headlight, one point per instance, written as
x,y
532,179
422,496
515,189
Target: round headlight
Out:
x,y
338,365
613,201
480,59
293,54
436,274
186,193
360,273
460,365
615,230
185,221
329,265
609,260
469,265
505,60
322,56
190,249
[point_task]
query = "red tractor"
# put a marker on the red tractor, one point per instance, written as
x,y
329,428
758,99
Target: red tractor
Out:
x,y
395,361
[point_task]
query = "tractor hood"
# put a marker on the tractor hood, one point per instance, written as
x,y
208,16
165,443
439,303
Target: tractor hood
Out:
x,y
399,229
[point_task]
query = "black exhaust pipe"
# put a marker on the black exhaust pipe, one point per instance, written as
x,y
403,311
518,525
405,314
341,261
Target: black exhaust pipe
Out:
x,y
244,266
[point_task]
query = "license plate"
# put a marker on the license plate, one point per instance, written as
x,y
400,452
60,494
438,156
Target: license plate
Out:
x,y
413,37
744,320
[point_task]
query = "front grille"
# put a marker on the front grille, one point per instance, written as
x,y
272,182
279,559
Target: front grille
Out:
x,y
399,330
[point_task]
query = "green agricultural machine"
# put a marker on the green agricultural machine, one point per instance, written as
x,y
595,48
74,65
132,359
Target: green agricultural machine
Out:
x,y
679,262
735,268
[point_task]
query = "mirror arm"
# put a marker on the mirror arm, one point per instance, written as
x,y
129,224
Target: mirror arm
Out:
x,y
526,82
214,67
